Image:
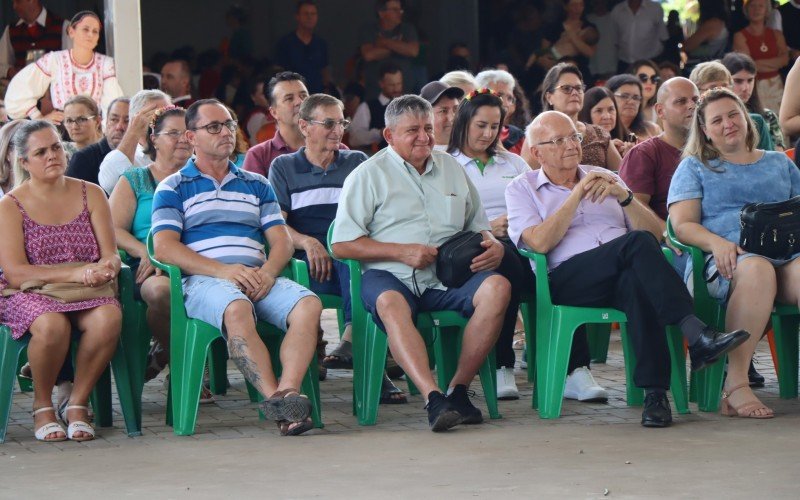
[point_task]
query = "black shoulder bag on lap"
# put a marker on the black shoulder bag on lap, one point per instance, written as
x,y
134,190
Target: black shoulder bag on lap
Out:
x,y
454,259
771,229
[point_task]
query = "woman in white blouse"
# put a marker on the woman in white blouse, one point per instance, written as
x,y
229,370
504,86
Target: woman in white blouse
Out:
x,y
77,71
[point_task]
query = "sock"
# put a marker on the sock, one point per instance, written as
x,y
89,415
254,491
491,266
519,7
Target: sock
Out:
x,y
692,328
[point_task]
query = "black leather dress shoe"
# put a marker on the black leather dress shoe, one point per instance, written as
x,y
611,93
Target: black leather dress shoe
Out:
x,y
712,345
755,378
656,411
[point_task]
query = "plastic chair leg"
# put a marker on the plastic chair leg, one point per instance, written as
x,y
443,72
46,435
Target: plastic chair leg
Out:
x,y
488,375
10,354
369,361
785,330
101,400
188,356
677,369
634,396
709,386
218,367
528,311
445,349
310,388
130,400
552,359
25,384
599,336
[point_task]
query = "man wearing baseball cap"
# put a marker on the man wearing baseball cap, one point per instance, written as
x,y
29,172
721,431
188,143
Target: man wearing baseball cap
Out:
x,y
445,100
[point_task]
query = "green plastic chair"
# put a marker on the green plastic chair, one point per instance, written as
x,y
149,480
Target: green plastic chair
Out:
x,y
550,350
13,351
706,385
442,330
190,341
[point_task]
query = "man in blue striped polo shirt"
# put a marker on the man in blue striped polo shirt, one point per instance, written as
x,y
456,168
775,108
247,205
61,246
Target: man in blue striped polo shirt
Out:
x,y
212,220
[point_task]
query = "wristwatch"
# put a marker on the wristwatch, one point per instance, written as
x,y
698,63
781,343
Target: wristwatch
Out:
x,y
627,201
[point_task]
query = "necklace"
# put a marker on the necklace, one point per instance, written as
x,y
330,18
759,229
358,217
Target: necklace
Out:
x,y
763,47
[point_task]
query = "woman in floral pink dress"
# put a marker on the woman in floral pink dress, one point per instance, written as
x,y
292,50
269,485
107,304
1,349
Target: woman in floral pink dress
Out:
x,y
50,219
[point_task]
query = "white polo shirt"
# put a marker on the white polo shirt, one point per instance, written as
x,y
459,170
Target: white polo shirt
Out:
x,y
492,179
639,35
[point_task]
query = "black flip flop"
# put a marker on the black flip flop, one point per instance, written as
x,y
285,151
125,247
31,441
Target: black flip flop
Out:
x,y
342,357
388,389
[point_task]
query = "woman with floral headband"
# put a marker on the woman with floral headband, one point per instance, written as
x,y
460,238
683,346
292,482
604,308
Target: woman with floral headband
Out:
x,y
722,170
474,144
131,202
67,73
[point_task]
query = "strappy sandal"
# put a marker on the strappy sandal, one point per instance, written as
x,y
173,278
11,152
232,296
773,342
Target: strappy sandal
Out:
x,y
79,426
389,393
744,410
340,358
49,428
26,372
288,407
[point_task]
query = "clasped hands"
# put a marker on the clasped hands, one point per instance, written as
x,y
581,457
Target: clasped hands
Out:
x,y
596,186
96,274
254,282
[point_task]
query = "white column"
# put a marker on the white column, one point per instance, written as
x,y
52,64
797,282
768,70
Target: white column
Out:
x,y
123,27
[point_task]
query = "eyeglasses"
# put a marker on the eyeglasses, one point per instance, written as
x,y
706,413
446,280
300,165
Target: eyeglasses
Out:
x,y
654,79
80,120
562,141
629,97
330,123
173,134
216,127
508,98
568,89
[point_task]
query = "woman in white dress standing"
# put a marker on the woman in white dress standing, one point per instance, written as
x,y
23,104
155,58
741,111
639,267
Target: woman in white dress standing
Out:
x,y
77,71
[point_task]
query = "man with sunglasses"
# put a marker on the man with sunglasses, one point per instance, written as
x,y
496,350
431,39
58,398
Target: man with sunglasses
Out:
x,y
602,251
212,219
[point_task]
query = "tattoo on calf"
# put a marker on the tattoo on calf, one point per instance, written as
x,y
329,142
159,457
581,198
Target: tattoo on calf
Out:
x,y
237,348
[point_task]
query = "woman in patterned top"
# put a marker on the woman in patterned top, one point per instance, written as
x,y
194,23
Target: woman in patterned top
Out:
x,y
40,243
67,73
131,208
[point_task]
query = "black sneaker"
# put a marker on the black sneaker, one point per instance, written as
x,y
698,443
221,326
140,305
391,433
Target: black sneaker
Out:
x,y
657,412
441,414
459,398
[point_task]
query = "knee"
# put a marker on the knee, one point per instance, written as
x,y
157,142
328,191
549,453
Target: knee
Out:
x,y
390,303
156,293
495,289
51,330
757,274
106,323
307,311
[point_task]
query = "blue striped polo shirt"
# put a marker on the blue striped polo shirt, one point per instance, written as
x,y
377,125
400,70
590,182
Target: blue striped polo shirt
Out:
x,y
310,194
224,220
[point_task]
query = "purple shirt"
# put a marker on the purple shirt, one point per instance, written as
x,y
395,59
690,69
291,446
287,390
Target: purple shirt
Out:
x,y
531,198
259,157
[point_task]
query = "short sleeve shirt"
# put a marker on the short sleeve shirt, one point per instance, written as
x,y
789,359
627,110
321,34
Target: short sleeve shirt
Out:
x,y
491,180
224,220
310,194
532,198
648,169
387,200
722,194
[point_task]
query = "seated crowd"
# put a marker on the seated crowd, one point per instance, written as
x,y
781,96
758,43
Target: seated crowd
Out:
x,y
590,182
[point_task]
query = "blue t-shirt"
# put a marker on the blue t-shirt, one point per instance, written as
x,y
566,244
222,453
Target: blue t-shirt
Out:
x,y
723,194
308,60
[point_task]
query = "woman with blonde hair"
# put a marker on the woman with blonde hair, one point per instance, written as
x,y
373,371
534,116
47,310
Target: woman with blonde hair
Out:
x,y
722,171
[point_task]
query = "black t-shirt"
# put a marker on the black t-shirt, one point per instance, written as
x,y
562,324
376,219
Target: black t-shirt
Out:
x,y
85,164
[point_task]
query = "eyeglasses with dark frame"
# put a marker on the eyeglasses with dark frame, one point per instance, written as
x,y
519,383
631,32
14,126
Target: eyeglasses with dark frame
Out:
x,y
654,79
560,142
569,89
80,120
330,123
216,127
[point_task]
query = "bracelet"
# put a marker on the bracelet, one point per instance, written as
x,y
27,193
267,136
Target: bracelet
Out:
x,y
627,201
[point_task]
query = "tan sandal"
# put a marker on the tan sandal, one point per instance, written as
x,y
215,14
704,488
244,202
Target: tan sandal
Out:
x,y
744,410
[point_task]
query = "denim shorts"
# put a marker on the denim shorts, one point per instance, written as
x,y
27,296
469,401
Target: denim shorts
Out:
x,y
206,299
375,281
718,287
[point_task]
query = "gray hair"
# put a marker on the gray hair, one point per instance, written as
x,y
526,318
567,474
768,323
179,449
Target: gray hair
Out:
x,y
6,136
406,104
20,143
144,97
459,78
491,76
314,101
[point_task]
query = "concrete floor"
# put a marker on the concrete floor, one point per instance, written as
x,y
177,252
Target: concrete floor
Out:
x,y
594,450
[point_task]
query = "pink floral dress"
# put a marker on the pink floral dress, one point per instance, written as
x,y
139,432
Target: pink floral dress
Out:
x,y
48,245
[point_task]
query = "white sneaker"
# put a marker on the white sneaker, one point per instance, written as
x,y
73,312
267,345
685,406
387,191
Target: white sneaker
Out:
x,y
506,385
582,386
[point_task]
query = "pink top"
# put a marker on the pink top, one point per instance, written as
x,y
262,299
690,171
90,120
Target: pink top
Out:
x,y
531,198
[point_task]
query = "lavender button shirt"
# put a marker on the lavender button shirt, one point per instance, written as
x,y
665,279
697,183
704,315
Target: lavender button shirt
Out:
x,y
531,198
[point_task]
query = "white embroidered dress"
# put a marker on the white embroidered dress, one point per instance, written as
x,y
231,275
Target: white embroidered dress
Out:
x,y
66,79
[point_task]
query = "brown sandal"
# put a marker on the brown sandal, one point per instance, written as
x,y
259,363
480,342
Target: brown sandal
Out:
x,y
744,410
288,405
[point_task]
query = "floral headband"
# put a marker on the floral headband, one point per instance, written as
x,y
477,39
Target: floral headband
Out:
x,y
481,91
160,112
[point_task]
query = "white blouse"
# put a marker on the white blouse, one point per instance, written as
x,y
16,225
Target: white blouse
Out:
x,y
66,79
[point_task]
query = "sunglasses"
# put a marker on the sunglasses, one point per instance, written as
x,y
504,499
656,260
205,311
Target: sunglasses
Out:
x,y
329,123
654,79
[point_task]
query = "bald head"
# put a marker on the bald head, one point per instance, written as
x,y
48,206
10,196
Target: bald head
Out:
x,y
675,83
540,129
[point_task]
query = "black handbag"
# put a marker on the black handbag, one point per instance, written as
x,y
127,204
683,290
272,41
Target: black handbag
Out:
x,y
455,257
771,229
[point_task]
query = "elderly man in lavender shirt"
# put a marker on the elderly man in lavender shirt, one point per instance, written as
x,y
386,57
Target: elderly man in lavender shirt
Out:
x,y
603,251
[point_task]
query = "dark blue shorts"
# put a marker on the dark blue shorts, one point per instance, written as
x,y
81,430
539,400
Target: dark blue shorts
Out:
x,y
339,284
374,282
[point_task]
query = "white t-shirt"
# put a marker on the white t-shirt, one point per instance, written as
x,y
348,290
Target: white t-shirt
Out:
x,y
492,181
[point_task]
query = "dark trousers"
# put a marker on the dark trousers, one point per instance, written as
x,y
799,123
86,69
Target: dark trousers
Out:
x,y
517,270
631,274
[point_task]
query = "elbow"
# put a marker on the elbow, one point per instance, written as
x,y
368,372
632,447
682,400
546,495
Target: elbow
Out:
x,y
339,250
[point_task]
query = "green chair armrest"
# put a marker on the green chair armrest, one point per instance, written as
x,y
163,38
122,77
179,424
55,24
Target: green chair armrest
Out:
x,y
542,283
